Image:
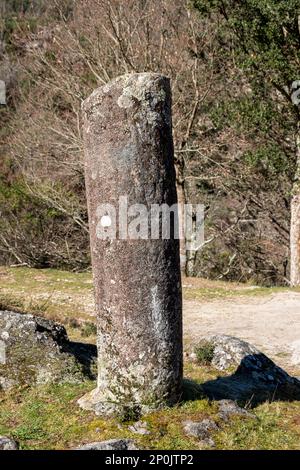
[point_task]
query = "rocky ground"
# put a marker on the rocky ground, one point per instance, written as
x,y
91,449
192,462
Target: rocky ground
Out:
x,y
235,397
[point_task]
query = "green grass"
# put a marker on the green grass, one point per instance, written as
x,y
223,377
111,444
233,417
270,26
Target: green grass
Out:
x,y
212,293
48,417
63,295
274,428
204,352
59,295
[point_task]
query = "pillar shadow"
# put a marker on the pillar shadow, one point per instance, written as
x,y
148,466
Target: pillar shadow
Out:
x,y
86,355
256,380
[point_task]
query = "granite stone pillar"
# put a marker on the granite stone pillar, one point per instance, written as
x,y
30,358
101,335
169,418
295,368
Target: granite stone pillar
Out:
x,y
129,160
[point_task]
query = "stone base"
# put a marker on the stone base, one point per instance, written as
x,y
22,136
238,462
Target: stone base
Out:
x,y
98,402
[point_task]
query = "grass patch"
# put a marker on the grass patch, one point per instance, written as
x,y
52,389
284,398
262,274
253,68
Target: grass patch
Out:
x,y
67,296
48,417
204,352
88,329
61,296
209,294
273,429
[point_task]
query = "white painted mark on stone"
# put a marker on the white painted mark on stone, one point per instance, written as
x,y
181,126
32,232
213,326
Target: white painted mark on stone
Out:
x,y
105,221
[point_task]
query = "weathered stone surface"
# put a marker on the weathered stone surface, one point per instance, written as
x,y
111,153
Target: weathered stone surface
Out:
x,y
6,443
37,351
140,427
129,153
208,442
201,430
229,408
227,350
256,379
112,444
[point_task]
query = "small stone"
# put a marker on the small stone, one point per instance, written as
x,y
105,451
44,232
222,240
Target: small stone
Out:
x,y
6,443
193,357
140,427
201,429
209,442
228,408
112,444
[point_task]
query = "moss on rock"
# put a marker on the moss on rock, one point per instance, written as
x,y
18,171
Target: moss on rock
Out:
x,y
37,351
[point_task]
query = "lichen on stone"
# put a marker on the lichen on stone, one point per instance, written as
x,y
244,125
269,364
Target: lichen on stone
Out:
x,y
37,351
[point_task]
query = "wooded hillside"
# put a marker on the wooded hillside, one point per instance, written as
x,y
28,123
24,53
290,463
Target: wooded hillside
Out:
x,y
234,131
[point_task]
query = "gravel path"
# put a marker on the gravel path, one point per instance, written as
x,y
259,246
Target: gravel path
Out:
x,y
272,323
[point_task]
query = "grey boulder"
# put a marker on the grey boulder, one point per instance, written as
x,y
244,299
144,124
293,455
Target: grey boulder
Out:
x,y
255,378
227,351
34,350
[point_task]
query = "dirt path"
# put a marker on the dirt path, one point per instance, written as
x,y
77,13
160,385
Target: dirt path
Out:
x,y
267,318
271,322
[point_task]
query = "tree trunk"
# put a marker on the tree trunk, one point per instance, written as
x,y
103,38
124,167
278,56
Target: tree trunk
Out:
x,y
190,263
181,202
295,220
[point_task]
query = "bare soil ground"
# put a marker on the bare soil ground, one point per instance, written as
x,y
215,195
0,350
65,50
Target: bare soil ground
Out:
x,y
269,318
270,322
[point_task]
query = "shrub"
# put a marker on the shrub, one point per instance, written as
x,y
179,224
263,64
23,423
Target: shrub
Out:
x,y
204,352
88,329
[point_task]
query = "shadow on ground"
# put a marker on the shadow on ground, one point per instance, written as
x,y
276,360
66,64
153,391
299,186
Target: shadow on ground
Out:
x,y
256,380
86,355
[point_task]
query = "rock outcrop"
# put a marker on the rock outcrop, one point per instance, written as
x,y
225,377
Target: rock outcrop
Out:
x,y
34,350
201,430
256,377
226,351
